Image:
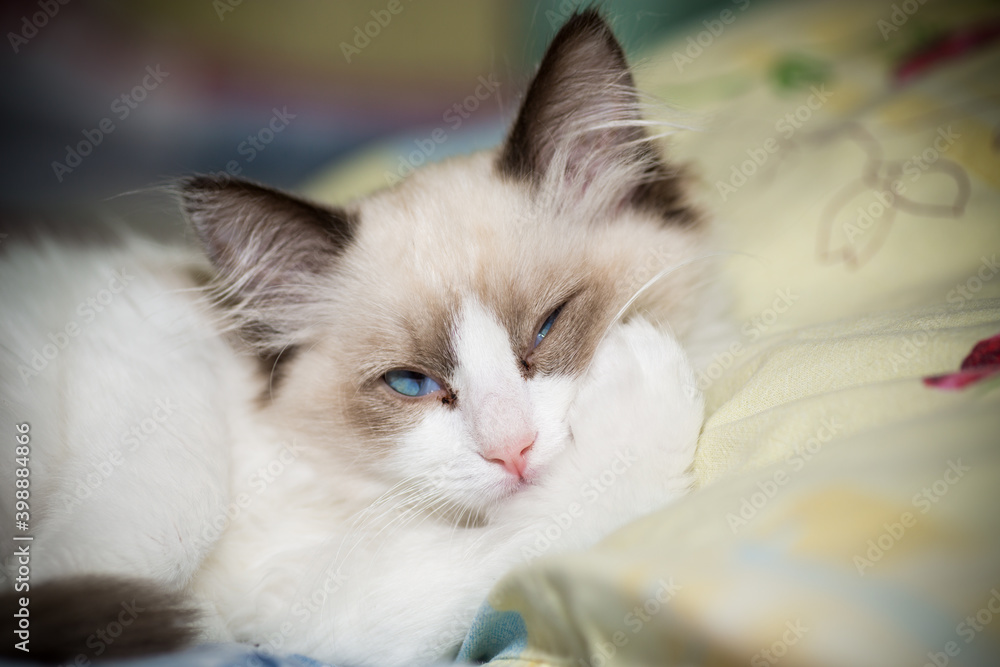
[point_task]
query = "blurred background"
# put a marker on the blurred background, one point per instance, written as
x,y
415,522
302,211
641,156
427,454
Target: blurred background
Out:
x,y
102,98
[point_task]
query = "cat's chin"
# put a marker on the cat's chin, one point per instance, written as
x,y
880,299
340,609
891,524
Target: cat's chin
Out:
x,y
495,497
503,491
514,485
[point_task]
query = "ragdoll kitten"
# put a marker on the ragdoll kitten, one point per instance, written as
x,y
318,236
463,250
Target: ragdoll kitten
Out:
x,y
381,409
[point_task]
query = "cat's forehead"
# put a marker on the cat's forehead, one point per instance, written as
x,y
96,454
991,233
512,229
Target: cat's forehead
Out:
x,y
458,229
458,210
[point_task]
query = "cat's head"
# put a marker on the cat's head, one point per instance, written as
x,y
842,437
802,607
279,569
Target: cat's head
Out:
x,y
435,333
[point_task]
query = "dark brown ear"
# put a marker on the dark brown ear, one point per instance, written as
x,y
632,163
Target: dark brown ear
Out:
x,y
269,248
581,117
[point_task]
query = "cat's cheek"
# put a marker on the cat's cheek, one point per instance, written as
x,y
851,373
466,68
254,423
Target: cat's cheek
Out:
x,y
431,447
440,454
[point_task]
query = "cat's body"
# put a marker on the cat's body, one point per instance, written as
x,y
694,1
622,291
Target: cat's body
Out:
x,y
390,404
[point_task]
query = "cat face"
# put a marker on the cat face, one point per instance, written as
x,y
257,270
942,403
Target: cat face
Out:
x,y
433,335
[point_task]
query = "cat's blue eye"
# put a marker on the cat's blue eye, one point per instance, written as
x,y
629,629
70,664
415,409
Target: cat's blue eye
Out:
x,y
411,383
545,327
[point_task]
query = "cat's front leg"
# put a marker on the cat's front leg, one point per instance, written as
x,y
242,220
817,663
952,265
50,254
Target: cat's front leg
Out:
x,y
634,424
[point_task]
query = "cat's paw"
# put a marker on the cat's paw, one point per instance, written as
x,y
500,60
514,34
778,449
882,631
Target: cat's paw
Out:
x,y
639,406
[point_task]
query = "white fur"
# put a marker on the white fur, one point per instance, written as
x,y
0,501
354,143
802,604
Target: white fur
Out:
x,y
112,413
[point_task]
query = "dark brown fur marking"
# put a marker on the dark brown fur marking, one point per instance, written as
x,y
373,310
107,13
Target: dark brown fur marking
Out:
x,y
213,205
67,614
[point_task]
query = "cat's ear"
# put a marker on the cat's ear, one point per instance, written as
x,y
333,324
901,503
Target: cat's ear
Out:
x,y
580,125
269,248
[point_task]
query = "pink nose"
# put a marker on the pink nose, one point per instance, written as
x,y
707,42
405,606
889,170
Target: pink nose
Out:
x,y
513,457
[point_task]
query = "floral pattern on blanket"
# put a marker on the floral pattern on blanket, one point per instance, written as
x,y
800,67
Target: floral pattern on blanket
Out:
x,y
982,363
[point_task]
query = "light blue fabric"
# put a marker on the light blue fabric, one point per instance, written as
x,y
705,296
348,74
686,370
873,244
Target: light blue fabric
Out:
x,y
494,634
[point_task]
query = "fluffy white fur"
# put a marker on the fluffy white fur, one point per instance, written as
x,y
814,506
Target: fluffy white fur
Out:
x,y
144,358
